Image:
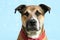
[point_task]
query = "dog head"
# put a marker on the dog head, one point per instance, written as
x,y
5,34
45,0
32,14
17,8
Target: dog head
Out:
x,y
32,17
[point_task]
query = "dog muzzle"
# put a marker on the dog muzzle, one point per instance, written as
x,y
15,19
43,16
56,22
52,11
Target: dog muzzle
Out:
x,y
31,25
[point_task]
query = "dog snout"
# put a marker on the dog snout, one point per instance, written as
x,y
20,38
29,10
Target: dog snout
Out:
x,y
31,25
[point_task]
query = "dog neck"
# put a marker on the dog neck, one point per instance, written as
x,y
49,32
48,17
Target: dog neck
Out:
x,y
26,37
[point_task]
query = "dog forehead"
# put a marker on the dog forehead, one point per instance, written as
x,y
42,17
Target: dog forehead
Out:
x,y
33,8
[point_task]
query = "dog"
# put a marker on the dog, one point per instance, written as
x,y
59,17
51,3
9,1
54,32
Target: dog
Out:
x,y
32,22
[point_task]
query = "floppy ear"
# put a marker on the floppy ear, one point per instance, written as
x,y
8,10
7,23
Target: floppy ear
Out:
x,y
20,8
45,8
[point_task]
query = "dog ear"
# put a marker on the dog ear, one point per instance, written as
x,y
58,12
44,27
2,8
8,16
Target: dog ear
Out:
x,y
45,8
20,8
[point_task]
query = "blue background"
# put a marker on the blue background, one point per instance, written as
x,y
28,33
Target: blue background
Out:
x,y
10,23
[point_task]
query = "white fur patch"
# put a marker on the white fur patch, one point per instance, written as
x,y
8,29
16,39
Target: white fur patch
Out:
x,y
34,34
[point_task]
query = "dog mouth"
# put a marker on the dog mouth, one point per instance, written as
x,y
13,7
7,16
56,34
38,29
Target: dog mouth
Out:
x,y
32,26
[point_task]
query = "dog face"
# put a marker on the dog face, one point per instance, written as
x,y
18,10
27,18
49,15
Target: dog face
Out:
x,y
32,16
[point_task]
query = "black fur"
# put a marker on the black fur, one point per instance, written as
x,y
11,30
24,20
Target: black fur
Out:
x,y
45,8
20,8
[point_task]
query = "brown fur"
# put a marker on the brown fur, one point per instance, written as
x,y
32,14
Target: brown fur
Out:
x,y
32,10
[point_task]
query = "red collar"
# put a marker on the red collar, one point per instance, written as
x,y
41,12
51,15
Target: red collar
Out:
x,y
27,38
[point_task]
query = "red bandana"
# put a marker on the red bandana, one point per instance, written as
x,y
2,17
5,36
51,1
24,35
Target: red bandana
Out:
x,y
27,38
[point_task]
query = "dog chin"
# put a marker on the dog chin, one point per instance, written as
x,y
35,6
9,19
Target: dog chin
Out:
x,y
33,34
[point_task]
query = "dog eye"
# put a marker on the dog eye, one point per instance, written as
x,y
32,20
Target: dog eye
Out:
x,y
37,13
26,14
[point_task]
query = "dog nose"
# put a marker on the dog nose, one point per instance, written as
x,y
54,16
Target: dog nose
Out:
x,y
32,22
